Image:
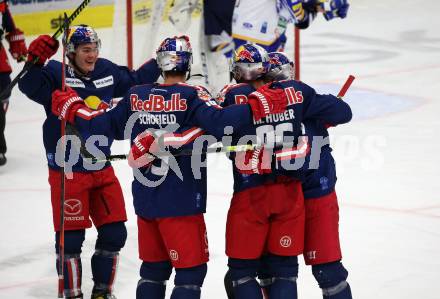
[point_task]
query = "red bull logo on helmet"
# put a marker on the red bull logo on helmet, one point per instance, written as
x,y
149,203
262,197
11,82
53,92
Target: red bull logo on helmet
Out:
x,y
165,45
275,60
243,54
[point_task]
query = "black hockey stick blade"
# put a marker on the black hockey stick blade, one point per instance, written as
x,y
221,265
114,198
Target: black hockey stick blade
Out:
x,y
184,152
4,94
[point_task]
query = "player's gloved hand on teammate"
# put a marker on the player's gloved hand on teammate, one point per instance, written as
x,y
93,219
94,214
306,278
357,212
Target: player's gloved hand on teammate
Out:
x,y
43,47
142,146
17,44
267,100
66,103
257,161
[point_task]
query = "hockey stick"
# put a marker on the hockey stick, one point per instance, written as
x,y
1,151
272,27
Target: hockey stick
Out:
x,y
346,86
156,17
186,152
29,64
65,27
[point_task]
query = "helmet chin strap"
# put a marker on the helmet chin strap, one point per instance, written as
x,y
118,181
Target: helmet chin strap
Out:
x,y
188,75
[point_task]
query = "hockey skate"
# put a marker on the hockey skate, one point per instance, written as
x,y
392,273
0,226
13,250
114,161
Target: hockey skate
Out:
x,y
2,159
103,296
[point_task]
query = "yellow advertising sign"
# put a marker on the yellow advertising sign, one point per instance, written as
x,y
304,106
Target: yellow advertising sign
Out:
x,y
46,22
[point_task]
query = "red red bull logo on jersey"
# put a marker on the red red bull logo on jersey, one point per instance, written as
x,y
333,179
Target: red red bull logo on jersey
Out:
x,y
293,96
157,103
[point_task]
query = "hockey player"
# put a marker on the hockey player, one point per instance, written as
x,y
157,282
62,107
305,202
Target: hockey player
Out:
x,y
218,25
263,22
93,194
267,209
321,236
17,48
171,227
330,9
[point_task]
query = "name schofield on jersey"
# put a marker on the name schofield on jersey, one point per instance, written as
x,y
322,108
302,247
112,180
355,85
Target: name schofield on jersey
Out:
x,y
157,119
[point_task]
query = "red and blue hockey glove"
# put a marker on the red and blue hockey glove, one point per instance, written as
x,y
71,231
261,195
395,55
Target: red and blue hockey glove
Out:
x,y
66,103
43,47
17,45
254,162
335,8
140,150
266,101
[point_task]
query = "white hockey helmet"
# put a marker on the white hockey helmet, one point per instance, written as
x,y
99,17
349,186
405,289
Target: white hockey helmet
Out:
x,y
281,67
175,54
249,62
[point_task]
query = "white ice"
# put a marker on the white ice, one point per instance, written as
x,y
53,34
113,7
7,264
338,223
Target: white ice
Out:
x,y
387,162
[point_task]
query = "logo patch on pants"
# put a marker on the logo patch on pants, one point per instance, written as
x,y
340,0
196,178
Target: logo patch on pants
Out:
x,y
174,255
285,241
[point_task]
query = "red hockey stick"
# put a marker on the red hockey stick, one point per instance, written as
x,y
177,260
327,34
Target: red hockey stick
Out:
x,y
346,86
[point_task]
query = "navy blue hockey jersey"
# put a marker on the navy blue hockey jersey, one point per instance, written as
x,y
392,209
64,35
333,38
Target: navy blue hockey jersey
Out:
x,y
279,129
319,167
106,82
172,186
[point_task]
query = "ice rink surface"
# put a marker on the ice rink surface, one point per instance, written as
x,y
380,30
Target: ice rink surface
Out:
x,y
387,162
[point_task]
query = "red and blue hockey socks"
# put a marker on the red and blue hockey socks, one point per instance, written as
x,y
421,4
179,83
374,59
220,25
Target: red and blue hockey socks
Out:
x,y
331,278
73,241
153,280
188,282
243,274
278,276
111,238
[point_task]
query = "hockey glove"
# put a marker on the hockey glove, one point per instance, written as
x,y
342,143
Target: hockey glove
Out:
x,y
43,48
254,162
139,155
266,101
335,8
4,105
66,103
17,45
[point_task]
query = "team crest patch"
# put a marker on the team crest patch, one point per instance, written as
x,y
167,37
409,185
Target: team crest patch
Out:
x,y
107,81
203,94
